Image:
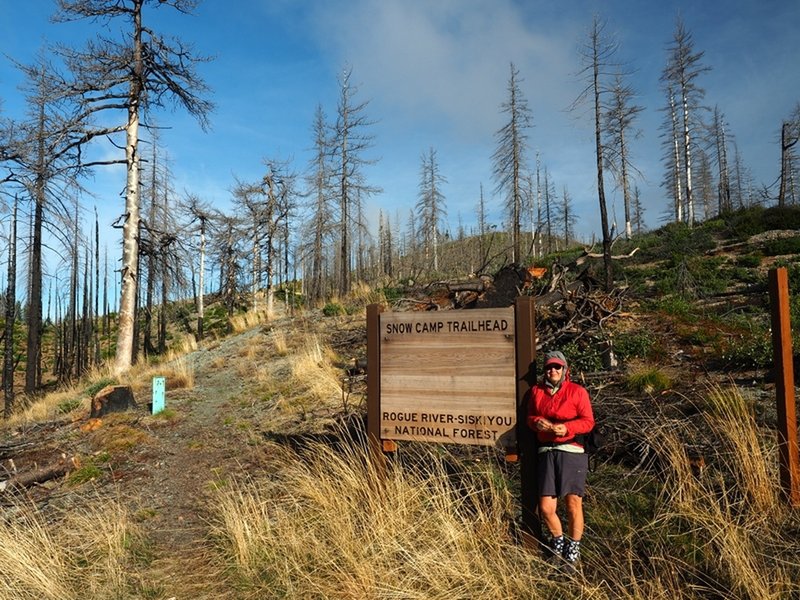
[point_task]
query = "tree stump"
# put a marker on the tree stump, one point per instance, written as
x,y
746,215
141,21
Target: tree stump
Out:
x,y
112,398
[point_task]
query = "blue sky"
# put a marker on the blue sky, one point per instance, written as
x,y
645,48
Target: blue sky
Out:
x,y
435,75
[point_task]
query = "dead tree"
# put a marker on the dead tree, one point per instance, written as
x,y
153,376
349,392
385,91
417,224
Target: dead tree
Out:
x,y
10,315
141,71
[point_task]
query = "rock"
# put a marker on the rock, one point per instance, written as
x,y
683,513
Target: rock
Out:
x,y
112,398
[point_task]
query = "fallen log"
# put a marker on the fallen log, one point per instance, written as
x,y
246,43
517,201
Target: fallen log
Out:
x,y
587,254
40,475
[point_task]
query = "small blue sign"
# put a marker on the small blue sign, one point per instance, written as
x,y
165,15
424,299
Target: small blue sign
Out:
x,y
159,394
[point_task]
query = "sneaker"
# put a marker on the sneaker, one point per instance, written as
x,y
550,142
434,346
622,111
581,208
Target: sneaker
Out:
x,y
570,568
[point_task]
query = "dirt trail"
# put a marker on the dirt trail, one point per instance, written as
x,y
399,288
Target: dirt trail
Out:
x,y
166,469
204,447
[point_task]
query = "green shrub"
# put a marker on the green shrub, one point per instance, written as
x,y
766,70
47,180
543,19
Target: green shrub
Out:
x,y
714,225
794,317
749,261
700,336
99,385
663,242
782,246
333,309
87,472
67,406
633,344
681,241
676,306
708,275
743,275
787,217
392,294
792,274
746,222
750,350
583,359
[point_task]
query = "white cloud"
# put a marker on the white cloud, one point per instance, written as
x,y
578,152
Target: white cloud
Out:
x,y
446,60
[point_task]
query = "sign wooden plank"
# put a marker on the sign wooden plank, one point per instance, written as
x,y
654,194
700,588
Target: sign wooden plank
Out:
x,y
448,377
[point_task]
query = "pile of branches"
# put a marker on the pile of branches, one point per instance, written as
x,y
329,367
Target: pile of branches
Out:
x,y
566,310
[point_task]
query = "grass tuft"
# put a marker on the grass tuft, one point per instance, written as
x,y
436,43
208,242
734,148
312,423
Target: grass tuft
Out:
x,y
312,371
648,380
244,321
81,556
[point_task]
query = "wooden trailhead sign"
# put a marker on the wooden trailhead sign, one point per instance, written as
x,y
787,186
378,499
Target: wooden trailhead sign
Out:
x,y
447,377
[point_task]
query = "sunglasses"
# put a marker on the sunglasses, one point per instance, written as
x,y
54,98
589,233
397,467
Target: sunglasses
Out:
x,y
555,367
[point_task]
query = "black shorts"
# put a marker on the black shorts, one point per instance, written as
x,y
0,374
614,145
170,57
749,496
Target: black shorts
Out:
x,y
560,473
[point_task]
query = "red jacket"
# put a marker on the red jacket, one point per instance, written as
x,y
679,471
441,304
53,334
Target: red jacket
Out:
x,y
570,405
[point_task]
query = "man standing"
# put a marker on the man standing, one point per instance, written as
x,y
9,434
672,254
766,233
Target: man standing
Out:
x,y
560,410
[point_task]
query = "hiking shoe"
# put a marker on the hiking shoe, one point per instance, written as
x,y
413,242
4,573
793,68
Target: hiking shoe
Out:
x,y
570,567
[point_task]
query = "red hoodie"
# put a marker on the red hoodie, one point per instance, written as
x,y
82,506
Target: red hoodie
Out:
x,y
570,405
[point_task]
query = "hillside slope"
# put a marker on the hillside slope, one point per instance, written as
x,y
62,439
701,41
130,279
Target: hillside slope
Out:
x,y
279,379
165,468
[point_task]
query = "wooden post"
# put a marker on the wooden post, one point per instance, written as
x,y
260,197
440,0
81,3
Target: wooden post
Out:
x,y
525,336
374,387
788,453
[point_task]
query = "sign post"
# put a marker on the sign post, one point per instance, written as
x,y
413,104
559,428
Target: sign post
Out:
x,y
374,388
531,530
788,453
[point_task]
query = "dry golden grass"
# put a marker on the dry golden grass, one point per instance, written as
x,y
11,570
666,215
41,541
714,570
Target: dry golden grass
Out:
x,y
116,436
730,413
82,556
362,294
68,401
182,347
45,408
248,320
279,342
71,399
254,348
727,513
219,363
178,372
323,528
313,372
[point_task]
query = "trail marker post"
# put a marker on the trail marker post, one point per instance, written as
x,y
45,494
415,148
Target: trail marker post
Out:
x,y
159,394
788,452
